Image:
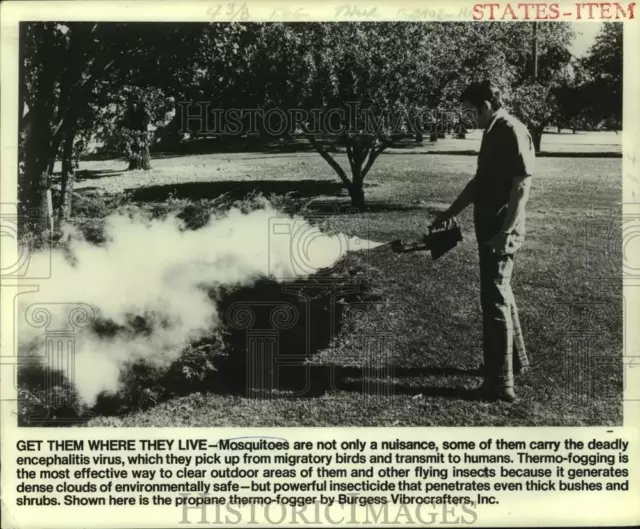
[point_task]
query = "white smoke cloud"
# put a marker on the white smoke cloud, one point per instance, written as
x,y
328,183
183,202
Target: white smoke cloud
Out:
x,y
161,272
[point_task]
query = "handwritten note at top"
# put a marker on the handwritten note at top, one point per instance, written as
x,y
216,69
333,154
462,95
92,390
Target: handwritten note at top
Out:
x,y
287,13
358,12
239,12
229,12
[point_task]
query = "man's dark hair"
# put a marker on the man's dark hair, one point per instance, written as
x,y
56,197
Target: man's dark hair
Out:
x,y
479,92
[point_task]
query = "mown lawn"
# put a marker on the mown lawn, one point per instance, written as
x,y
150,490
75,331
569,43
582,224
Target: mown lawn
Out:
x,y
407,346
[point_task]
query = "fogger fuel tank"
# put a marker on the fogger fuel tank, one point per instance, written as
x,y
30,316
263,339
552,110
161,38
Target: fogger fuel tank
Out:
x,y
438,240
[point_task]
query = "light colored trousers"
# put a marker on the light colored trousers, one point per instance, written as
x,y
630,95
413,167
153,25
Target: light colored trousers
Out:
x,y
503,344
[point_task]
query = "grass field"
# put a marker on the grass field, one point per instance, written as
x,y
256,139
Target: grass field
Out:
x,y
407,338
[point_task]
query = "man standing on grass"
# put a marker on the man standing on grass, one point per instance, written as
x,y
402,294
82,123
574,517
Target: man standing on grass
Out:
x,y
499,192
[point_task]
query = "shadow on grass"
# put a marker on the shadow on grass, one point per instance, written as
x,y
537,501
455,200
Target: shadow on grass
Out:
x,y
237,190
338,208
608,154
234,145
87,174
273,330
82,175
541,154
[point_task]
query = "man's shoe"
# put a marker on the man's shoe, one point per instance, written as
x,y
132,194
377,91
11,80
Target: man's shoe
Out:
x,y
489,392
506,394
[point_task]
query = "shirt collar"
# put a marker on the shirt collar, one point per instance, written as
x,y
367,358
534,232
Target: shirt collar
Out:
x,y
499,113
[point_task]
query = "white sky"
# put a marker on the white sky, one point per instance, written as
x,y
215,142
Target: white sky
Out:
x,y
585,34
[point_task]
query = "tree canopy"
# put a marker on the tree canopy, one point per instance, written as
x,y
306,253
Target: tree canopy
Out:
x,y
91,79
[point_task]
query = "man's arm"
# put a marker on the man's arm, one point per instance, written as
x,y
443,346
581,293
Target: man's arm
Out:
x,y
519,195
517,201
460,204
515,211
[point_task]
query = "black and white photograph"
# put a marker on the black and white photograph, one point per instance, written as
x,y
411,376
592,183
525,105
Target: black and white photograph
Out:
x,y
319,224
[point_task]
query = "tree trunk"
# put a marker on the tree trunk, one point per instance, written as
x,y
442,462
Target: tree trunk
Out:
x,y
34,190
136,125
417,129
48,116
537,138
68,178
357,152
36,205
140,157
37,147
362,153
356,192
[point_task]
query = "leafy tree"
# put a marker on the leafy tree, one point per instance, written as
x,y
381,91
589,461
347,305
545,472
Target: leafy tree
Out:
x,y
356,70
403,69
379,81
97,79
516,42
71,82
123,126
59,72
536,102
536,106
574,106
603,65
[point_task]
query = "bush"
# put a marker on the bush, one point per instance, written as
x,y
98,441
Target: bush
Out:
x,y
143,384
